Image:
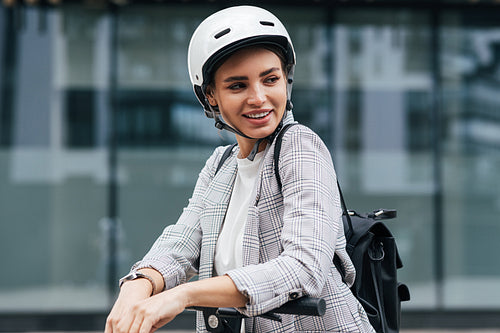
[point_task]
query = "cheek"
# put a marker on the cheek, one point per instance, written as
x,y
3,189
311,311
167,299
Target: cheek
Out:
x,y
281,88
280,95
227,107
230,101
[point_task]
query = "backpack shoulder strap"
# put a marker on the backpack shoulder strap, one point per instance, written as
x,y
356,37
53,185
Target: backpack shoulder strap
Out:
x,y
277,149
224,157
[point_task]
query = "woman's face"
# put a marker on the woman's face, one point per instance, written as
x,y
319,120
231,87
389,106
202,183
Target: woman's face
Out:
x,y
250,90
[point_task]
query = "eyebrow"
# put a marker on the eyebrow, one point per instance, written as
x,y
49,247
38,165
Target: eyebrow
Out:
x,y
242,78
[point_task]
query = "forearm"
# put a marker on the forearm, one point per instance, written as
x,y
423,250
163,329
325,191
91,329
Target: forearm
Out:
x,y
218,291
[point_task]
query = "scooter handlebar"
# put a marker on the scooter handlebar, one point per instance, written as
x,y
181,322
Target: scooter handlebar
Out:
x,y
307,306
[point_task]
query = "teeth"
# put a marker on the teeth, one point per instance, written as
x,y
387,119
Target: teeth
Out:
x,y
258,115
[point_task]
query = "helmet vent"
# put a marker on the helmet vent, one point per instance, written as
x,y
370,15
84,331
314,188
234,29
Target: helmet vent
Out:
x,y
271,24
222,33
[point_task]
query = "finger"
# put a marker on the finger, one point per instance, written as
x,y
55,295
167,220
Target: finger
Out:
x,y
160,324
136,325
125,322
109,327
111,322
147,325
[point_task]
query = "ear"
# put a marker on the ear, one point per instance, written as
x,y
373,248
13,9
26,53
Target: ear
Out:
x,y
210,96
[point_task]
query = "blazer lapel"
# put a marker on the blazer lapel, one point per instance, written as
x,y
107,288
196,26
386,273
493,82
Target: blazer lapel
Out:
x,y
216,202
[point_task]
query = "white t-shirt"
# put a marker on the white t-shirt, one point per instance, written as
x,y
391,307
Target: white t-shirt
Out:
x,y
229,247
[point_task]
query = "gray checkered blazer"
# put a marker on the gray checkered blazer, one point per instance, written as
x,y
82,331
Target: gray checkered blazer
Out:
x,y
289,241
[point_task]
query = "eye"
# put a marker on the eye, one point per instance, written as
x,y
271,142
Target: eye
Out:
x,y
272,79
236,86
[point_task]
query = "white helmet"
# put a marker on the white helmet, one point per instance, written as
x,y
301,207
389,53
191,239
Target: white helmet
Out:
x,y
228,30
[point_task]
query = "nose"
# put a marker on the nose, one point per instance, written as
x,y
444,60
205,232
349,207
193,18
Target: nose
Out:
x,y
256,95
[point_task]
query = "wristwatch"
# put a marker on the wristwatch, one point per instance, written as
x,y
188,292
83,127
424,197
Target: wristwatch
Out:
x,y
136,275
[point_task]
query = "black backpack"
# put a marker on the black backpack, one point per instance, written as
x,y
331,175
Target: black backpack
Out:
x,y
373,251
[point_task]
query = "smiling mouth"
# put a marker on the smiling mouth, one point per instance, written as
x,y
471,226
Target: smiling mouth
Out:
x,y
257,115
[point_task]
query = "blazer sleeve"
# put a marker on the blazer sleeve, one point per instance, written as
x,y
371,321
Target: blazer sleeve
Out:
x,y
311,223
175,254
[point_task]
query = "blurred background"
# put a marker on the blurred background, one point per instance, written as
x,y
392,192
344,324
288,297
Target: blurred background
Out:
x,y
102,139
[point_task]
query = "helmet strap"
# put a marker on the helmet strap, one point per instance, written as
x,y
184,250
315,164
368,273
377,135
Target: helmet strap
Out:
x,y
220,124
255,149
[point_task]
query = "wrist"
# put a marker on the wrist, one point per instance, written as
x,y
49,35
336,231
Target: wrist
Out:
x,y
140,288
184,294
136,276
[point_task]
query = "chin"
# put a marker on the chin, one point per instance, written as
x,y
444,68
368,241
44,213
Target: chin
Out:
x,y
263,134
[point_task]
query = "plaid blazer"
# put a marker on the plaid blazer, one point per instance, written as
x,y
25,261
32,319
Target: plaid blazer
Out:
x,y
289,240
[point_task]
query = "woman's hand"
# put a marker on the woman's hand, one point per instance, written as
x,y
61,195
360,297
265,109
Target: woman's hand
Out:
x,y
132,293
135,314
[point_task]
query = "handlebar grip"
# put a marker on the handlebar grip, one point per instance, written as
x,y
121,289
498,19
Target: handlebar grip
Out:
x,y
307,306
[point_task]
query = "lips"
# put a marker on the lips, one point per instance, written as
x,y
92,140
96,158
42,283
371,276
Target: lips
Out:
x,y
257,115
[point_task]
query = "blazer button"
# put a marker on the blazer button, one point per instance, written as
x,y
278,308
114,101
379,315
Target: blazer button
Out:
x,y
294,295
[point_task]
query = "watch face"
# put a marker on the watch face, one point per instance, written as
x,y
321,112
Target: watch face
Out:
x,y
128,277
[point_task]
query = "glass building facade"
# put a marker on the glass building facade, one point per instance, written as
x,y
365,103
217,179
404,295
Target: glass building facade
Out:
x,y
102,139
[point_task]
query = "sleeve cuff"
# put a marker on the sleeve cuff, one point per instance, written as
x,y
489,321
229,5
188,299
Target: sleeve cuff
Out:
x,y
262,297
170,277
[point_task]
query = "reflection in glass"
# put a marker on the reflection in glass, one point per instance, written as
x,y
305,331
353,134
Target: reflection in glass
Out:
x,y
53,173
382,129
471,147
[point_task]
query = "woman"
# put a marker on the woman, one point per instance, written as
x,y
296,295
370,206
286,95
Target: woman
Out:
x,y
253,245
